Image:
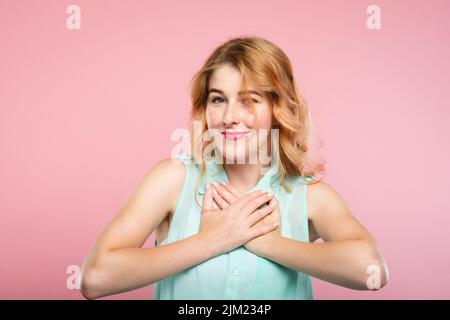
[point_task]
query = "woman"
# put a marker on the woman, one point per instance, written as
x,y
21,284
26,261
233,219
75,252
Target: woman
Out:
x,y
238,218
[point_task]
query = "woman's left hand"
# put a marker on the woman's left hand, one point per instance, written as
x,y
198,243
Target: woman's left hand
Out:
x,y
227,194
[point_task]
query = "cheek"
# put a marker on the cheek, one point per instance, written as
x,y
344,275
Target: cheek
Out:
x,y
213,117
259,119
249,119
266,121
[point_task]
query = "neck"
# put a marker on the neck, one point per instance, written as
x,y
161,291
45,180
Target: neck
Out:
x,y
244,176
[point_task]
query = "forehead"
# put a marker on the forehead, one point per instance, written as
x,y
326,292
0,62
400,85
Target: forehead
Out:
x,y
228,79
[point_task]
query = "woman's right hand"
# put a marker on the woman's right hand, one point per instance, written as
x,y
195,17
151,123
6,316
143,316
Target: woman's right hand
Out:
x,y
228,228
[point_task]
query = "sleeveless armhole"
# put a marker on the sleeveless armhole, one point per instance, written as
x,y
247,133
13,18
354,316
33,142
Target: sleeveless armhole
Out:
x,y
303,278
186,161
304,210
300,232
296,224
163,289
183,198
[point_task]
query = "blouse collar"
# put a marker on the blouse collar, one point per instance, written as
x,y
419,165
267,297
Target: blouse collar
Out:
x,y
215,173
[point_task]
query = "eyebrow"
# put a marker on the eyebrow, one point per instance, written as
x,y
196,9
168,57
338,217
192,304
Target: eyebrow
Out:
x,y
240,92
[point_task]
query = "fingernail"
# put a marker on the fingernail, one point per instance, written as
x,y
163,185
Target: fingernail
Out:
x,y
273,205
215,192
263,191
223,183
270,193
276,224
208,186
215,184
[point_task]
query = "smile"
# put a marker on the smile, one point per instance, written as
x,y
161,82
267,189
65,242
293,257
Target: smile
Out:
x,y
234,135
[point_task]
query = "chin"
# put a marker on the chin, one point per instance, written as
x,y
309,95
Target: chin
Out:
x,y
238,156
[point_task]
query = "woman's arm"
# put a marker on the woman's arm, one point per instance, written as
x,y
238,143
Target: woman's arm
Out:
x,y
349,255
119,270
117,263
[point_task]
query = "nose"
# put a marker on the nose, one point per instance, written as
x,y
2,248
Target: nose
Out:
x,y
231,115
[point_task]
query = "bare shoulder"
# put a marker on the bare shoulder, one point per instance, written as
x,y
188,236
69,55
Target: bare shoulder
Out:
x,y
170,172
329,215
148,206
318,192
320,196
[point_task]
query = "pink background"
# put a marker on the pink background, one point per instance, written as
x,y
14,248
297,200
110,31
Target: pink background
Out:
x,y
85,113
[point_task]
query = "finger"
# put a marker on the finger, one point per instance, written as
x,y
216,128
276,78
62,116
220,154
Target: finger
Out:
x,y
232,190
224,193
260,214
256,203
208,202
249,197
218,199
259,231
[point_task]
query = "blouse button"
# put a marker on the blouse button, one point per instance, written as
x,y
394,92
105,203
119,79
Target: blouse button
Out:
x,y
235,271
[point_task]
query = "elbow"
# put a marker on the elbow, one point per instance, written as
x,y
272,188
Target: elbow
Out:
x,y
375,271
376,276
89,284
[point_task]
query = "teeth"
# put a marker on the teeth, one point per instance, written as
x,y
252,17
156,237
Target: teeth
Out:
x,y
235,131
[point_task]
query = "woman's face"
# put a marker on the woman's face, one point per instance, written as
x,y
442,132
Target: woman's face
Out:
x,y
240,132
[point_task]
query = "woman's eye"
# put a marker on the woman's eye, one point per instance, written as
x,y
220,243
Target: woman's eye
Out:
x,y
214,100
246,101
218,100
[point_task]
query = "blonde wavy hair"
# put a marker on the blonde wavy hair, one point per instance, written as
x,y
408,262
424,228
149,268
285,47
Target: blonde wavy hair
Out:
x,y
270,69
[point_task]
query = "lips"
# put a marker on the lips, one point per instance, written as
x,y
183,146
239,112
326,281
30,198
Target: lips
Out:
x,y
234,135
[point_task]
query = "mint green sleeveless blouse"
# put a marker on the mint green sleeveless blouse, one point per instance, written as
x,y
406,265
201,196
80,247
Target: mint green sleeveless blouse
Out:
x,y
238,274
